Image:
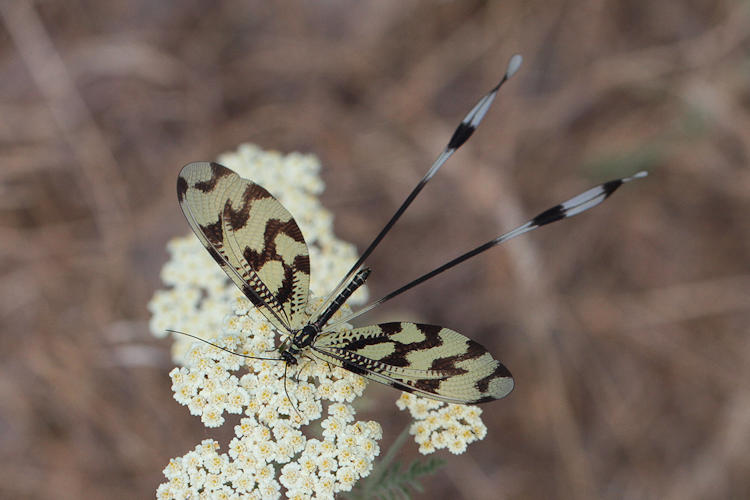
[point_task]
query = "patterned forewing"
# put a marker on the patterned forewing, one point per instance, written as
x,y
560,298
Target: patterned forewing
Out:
x,y
436,362
252,237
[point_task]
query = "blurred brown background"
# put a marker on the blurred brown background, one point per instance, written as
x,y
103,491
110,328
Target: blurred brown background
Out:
x,y
626,328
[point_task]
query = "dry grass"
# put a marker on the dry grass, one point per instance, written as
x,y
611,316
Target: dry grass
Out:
x,y
626,329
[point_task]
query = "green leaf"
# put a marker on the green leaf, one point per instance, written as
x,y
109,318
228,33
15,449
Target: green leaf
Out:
x,y
389,481
397,482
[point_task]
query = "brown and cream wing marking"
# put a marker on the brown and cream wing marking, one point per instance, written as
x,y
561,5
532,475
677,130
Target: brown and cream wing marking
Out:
x,y
252,237
430,360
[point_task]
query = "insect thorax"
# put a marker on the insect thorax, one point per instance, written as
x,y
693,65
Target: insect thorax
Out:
x,y
299,340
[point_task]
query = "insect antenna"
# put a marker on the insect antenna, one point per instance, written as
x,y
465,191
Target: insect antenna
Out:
x,y
462,133
223,348
574,206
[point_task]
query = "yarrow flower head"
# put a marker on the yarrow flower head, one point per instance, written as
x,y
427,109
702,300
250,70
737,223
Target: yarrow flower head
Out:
x,y
274,450
437,425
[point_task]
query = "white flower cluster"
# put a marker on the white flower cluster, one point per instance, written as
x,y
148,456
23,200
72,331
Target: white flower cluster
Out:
x,y
439,425
335,463
323,467
274,446
270,435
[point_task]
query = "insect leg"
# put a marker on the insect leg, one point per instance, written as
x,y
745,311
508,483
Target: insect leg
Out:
x,y
287,394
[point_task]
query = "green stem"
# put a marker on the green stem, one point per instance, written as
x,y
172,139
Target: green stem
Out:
x,y
382,466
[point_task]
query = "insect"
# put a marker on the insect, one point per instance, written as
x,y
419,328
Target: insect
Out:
x,y
258,244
